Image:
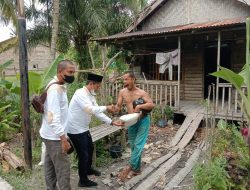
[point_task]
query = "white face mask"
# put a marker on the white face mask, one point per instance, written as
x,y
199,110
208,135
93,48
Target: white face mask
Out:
x,y
92,92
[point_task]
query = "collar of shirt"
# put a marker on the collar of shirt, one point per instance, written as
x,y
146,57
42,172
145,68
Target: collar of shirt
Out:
x,y
89,93
62,85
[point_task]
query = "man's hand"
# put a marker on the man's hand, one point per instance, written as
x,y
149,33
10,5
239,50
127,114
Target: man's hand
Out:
x,y
118,123
65,144
137,109
111,108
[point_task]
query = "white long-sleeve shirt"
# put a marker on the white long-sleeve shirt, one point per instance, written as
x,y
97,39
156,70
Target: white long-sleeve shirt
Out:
x,y
81,108
55,112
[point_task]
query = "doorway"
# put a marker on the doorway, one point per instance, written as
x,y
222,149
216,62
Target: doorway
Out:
x,y
210,64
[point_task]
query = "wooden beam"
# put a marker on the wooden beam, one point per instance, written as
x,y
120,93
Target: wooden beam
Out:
x,y
179,72
24,83
91,56
218,68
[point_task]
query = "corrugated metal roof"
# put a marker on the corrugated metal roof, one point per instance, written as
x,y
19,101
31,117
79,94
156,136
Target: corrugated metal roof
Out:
x,y
175,29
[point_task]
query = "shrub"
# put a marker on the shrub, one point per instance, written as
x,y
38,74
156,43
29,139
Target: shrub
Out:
x,y
168,112
156,114
212,175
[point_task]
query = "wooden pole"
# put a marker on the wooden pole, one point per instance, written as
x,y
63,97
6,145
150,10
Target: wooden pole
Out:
x,y
23,65
179,72
55,17
218,68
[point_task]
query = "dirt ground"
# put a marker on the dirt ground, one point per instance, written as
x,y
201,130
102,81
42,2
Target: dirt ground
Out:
x,y
157,146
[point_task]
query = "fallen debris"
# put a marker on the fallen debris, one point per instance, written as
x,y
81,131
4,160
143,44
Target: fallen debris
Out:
x,y
6,156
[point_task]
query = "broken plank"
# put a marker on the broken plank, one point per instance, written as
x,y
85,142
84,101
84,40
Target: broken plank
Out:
x,y
148,183
179,177
135,180
182,129
11,158
190,132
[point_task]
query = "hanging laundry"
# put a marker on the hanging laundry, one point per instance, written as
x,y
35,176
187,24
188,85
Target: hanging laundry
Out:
x,y
167,61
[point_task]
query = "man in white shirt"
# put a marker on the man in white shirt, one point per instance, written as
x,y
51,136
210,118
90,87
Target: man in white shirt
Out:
x,y
57,166
82,106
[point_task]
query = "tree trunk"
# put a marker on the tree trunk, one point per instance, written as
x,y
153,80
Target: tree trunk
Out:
x,y
55,17
24,84
84,60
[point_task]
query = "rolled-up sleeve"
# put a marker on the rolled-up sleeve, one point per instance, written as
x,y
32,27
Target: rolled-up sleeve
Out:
x,y
54,112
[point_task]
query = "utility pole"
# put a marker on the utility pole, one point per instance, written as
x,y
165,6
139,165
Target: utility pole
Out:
x,y
24,83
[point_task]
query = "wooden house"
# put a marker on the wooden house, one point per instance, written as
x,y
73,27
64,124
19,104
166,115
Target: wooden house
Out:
x,y
206,34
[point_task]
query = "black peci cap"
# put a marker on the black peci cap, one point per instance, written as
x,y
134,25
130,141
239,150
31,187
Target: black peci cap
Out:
x,y
94,77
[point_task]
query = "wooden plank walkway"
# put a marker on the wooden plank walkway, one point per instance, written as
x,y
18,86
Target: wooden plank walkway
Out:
x,y
179,177
188,107
191,130
188,120
151,174
103,130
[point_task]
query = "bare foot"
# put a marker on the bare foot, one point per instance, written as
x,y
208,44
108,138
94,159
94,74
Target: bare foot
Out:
x,y
132,174
123,174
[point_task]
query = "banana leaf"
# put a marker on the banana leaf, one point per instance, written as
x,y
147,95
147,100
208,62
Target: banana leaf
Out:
x,y
6,64
51,71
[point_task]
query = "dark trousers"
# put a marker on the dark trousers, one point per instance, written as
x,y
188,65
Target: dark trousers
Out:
x,y
84,148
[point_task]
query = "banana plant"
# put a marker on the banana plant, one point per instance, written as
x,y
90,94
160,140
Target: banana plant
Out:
x,y
240,79
4,66
50,72
7,121
37,80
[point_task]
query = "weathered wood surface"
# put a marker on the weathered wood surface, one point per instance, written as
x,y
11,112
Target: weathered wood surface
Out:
x,y
148,183
181,131
230,102
102,130
190,131
24,84
179,177
161,92
10,158
192,62
135,180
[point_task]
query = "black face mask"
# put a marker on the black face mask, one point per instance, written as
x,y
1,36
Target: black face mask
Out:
x,y
69,79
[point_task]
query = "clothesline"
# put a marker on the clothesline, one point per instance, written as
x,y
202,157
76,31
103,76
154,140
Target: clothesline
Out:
x,y
150,52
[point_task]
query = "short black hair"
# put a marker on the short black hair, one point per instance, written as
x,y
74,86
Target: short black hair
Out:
x,y
62,65
130,73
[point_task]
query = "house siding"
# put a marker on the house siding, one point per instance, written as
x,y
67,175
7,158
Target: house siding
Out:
x,y
180,12
38,57
238,56
192,84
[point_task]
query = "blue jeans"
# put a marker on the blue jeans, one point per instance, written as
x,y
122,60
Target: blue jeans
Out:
x,y
137,137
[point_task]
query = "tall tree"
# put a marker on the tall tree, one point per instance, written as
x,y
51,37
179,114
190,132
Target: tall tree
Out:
x,y
55,16
80,20
8,11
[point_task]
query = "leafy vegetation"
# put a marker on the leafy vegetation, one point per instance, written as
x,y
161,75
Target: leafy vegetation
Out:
x,y
168,112
240,79
229,164
212,176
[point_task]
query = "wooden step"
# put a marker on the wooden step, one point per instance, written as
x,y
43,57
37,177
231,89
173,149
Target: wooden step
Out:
x,y
190,131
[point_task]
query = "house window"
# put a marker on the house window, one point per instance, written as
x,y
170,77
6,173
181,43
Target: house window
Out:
x,y
35,66
151,70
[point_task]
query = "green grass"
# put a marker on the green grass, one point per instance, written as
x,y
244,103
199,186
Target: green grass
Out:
x,y
19,180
